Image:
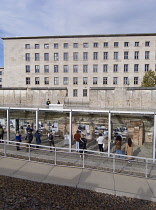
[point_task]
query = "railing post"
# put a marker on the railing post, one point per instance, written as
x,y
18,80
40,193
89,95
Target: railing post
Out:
x,y
83,159
146,175
5,148
113,163
55,156
29,151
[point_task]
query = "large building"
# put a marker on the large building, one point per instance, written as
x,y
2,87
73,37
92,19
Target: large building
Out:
x,y
78,62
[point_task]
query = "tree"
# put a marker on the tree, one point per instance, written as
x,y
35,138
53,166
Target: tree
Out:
x,y
149,79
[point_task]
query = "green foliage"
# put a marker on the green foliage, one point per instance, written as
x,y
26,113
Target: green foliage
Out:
x,y
149,79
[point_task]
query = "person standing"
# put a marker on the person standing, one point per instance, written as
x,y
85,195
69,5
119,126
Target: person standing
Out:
x,y
51,139
58,102
100,141
118,143
129,148
1,132
82,143
38,138
29,129
77,137
48,102
18,139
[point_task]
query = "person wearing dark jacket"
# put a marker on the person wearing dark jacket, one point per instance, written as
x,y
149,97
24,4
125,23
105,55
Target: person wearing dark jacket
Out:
x,y
82,143
38,137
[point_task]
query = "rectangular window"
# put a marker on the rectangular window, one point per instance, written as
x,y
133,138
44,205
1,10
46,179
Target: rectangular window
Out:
x,y
115,68
75,56
105,80
65,68
75,68
136,67
136,44
46,46
37,68
85,56
84,92
105,55
125,81
27,46
95,68
75,93
0,72
135,80
95,55
56,81
85,68
0,79
65,80
46,69
125,55
105,44
147,53
56,56
37,56
56,70
46,80
95,44
37,80
75,80
146,67
95,80
27,80
65,56
125,67
136,55
115,55
85,80
126,44
65,45
116,44
147,43
37,46
56,46
46,56
27,56
105,67
85,45
75,45
115,80
27,68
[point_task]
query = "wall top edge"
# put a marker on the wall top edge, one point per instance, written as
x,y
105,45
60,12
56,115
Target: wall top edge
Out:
x,y
25,88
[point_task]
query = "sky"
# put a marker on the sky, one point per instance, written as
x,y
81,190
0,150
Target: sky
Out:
x,y
75,17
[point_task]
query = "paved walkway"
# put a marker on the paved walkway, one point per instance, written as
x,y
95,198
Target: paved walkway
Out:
x,y
116,184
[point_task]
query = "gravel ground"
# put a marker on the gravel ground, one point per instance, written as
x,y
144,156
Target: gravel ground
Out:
x,y
23,194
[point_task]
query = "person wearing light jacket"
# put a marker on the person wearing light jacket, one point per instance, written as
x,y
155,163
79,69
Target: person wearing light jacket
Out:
x,y
100,141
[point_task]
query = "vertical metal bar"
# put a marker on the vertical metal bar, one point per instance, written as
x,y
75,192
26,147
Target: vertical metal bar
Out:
x,y
70,130
37,119
8,124
29,151
83,159
113,163
109,132
146,174
154,139
55,156
5,148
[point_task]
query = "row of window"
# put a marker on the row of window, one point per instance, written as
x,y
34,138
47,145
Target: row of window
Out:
x,y
86,45
86,56
84,82
86,69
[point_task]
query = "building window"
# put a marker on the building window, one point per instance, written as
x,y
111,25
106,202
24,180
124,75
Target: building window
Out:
x,y
85,80
75,68
146,67
55,45
147,43
116,44
84,92
65,45
75,56
75,93
56,56
46,46
56,81
27,80
37,68
136,44
85,45
65,80
104,80
135,80
46,56
147,53
37,80
56,70
27,68
125,67
27,46
0,72
105,44
65,68
115,55
37,56
115,80
85,56
115,68
75,80
126,81
27,56
95,68
105,67
105,55
37,46
126,44
46,80
125,55
46,69
85,68
95,55
95,80
95,44
136,67
136,55
75,45
65,56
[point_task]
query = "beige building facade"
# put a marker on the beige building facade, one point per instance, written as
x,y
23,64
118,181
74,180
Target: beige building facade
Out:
x,y
78,63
